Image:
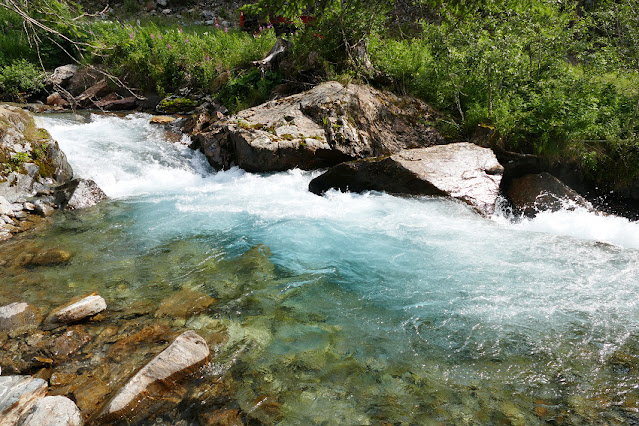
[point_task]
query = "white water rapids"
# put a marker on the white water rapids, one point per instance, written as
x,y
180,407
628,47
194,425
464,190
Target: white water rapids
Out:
x,y
401,305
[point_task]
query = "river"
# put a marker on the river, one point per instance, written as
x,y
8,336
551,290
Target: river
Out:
x,y
358,309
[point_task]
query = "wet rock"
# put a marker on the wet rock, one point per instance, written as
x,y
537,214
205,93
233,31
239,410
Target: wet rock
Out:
x,y
53,411
162,119
222,418
49,257
148,335
185,303
90,394
62,347
534,193
326,125
462,170
76,310
79,194
43,208
19,318
187,353
18,394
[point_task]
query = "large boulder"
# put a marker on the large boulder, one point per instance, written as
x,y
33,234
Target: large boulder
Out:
x,y
533,193
62,75
461,170
324,126
185,355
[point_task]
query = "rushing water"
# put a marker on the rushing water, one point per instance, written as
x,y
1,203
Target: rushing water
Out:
x,y
361,309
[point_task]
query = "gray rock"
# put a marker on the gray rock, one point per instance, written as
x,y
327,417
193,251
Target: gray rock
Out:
x,y
324,126
43,208
6,209
18,318
76,310
17,395
534,193
188,352
461,170
162,3
63,74
79,194
53,411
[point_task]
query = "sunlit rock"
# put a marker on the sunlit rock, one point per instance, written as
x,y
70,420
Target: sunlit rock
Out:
x,y
18,318
461,170
187,353
326,125
76,310
53,411
18,394
79,194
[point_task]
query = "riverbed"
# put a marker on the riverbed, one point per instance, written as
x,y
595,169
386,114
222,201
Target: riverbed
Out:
x,y
352,309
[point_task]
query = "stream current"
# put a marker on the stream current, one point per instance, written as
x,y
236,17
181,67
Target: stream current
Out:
x,y
357,309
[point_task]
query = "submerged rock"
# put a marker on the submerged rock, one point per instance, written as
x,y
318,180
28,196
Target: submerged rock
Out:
x,y
68,343
462,170
18,394
76,310
187,353
534,193
49,257
18,318
79,194
326,125
53,411
184,304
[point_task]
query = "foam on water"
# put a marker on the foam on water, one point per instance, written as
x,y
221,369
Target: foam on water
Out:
x,y
404,281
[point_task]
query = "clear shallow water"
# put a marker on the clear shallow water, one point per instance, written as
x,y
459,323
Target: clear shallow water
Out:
x,y
361,309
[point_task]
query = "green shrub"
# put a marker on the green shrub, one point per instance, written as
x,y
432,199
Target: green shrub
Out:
x,y
20,79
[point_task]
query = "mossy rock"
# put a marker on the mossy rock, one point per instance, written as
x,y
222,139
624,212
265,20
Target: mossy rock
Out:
x,y
177,105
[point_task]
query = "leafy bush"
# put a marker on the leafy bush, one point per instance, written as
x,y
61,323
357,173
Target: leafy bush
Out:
x,y
162,59
19,79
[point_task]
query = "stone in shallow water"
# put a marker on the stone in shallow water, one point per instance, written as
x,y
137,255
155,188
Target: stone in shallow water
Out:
x,y
222,418
53,411
17,395
49,257
76,310
69,343
184,304
158,378
18,318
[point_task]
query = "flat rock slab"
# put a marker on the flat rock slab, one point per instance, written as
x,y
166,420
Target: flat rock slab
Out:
x,y
534,193
18,318
188,352
324,126
76,310
53,411
18,394
461,170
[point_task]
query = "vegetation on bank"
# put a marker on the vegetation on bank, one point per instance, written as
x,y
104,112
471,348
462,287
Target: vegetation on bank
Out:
x,y
557,79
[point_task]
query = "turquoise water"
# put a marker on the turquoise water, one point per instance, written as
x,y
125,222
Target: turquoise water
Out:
x,y
360,309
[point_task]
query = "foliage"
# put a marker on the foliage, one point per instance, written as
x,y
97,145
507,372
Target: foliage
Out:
x,y
157,58
544,77
19,78
247,89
